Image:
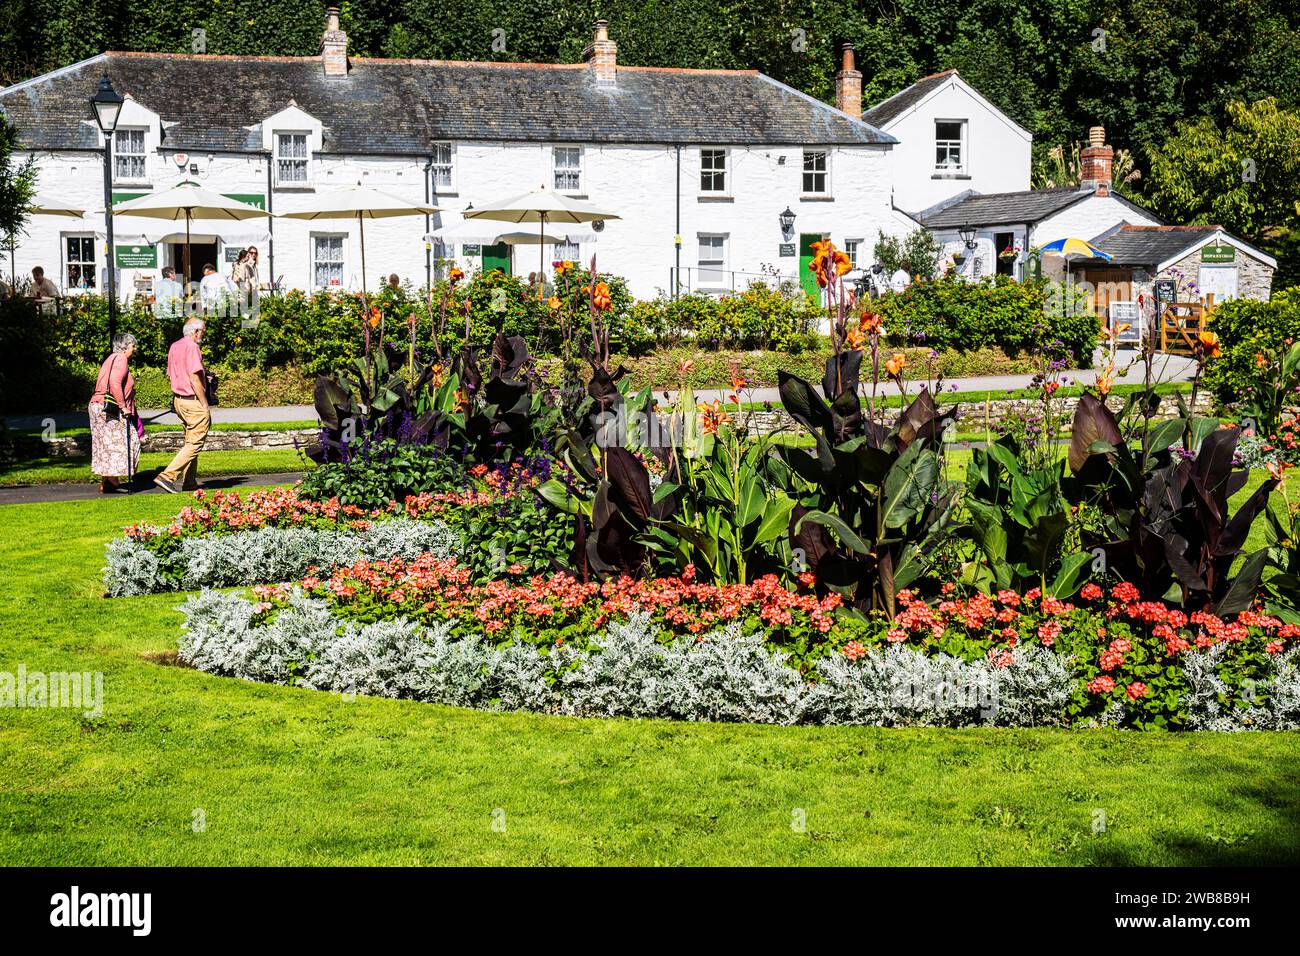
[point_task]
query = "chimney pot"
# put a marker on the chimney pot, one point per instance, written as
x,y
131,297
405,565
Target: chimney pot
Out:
x,y
602,53
1095,161
848,84
334,45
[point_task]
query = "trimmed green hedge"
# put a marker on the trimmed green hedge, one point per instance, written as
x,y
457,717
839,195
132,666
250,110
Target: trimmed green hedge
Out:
x,y
996,312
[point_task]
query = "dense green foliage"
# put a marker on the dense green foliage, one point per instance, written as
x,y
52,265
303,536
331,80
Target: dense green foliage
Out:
x,y
1246,330
917,253
16,182
995,312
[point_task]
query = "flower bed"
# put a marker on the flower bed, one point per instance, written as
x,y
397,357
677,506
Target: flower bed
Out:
x,y
225,539
1108,660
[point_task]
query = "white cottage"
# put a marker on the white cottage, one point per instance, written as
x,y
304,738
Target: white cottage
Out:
x,y
719,176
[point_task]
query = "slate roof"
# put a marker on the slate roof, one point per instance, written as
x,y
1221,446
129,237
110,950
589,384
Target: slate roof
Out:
x,y
1150,245
400,106
991,209
884,112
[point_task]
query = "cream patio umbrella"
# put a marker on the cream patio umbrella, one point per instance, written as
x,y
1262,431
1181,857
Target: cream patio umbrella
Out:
x,y
359,203
188,201
41,206
541,206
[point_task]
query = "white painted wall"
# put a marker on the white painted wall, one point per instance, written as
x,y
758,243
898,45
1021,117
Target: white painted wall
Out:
x,y
637,182
998,152
1084,220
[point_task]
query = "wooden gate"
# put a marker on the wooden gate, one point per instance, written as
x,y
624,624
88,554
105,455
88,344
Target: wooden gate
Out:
x,y
1181,322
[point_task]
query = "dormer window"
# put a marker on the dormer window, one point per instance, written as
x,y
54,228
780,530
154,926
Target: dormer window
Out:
x,y
291,160
950,147
130,164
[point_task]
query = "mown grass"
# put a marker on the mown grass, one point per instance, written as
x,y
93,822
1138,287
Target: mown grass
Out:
x,y
212,464
289,776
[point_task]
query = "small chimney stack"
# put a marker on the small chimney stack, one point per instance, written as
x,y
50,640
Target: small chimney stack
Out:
x,y
1095,162
848,84
334,45
602,53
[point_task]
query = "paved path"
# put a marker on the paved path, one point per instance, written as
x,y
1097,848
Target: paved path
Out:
x,y
1168,368
32,494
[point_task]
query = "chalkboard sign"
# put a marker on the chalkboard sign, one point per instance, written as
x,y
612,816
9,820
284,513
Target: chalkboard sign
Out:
x,y
1166,291
231,253
787,250
471,249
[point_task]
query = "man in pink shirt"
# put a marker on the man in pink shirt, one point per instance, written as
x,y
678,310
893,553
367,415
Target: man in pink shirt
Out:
x,y
190,400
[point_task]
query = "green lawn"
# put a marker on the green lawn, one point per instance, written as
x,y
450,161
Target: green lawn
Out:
x,y
285,776
212,464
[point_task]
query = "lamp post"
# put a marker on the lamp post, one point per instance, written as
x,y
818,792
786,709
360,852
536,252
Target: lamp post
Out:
x,y
107,103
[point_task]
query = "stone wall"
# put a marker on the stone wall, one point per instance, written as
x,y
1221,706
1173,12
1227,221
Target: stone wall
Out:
x,y
170,441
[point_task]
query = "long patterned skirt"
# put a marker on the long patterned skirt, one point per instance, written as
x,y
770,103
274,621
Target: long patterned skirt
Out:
x,y
114,445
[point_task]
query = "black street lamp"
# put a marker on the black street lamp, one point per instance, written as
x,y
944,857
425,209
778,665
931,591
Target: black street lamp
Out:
x,y
107,103
787,221
967,234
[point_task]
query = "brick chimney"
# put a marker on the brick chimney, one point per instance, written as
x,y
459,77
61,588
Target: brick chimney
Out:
x,y
602,53
848,84
1095,162
334,45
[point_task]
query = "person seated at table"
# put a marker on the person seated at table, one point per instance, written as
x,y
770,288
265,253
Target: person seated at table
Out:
x,y
169,295
42,288
214,289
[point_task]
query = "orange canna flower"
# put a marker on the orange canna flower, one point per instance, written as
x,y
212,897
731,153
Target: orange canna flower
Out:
x,y
601,298
553,302
564,267
1260,361
438,375
1104,385
854,337
712,417
737,380
454,276
684,367
870,322
375,318
896,364
410,319
1208,344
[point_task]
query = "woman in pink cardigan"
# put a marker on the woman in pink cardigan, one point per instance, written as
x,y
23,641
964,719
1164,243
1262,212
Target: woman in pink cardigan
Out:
x,y
114,426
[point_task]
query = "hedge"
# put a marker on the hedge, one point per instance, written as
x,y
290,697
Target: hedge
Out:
x,y
996,312
1247,328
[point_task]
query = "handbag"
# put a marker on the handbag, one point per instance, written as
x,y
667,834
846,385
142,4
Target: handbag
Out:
x,y
210,383
112,410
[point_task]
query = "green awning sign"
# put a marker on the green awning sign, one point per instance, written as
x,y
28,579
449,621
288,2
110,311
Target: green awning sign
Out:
x,y
471,249
248,199
1218,254
137,257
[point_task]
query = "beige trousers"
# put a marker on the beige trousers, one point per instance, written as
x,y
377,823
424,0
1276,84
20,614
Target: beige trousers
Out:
x,y
184,468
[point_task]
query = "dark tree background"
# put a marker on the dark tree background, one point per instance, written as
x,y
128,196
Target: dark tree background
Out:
x,y
1139,67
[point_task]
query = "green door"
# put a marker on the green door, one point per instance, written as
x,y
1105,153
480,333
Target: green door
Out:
x,y
496,257
806,277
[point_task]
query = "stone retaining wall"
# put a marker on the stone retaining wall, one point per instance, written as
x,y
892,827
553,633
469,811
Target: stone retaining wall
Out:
x,y
971,416
170,442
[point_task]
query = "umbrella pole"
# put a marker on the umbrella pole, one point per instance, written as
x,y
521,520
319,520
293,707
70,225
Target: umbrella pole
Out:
x,y
187,254
541,258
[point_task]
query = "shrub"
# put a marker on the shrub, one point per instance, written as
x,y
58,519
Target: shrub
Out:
x,y
1017,317
1247,328
761,317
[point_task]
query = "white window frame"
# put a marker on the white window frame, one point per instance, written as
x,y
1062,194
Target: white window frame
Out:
x,y
825,173
962,149
443,172
853,249
721,268
559,249
305,159
724,171
556,169
120,154
68,287
342,260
